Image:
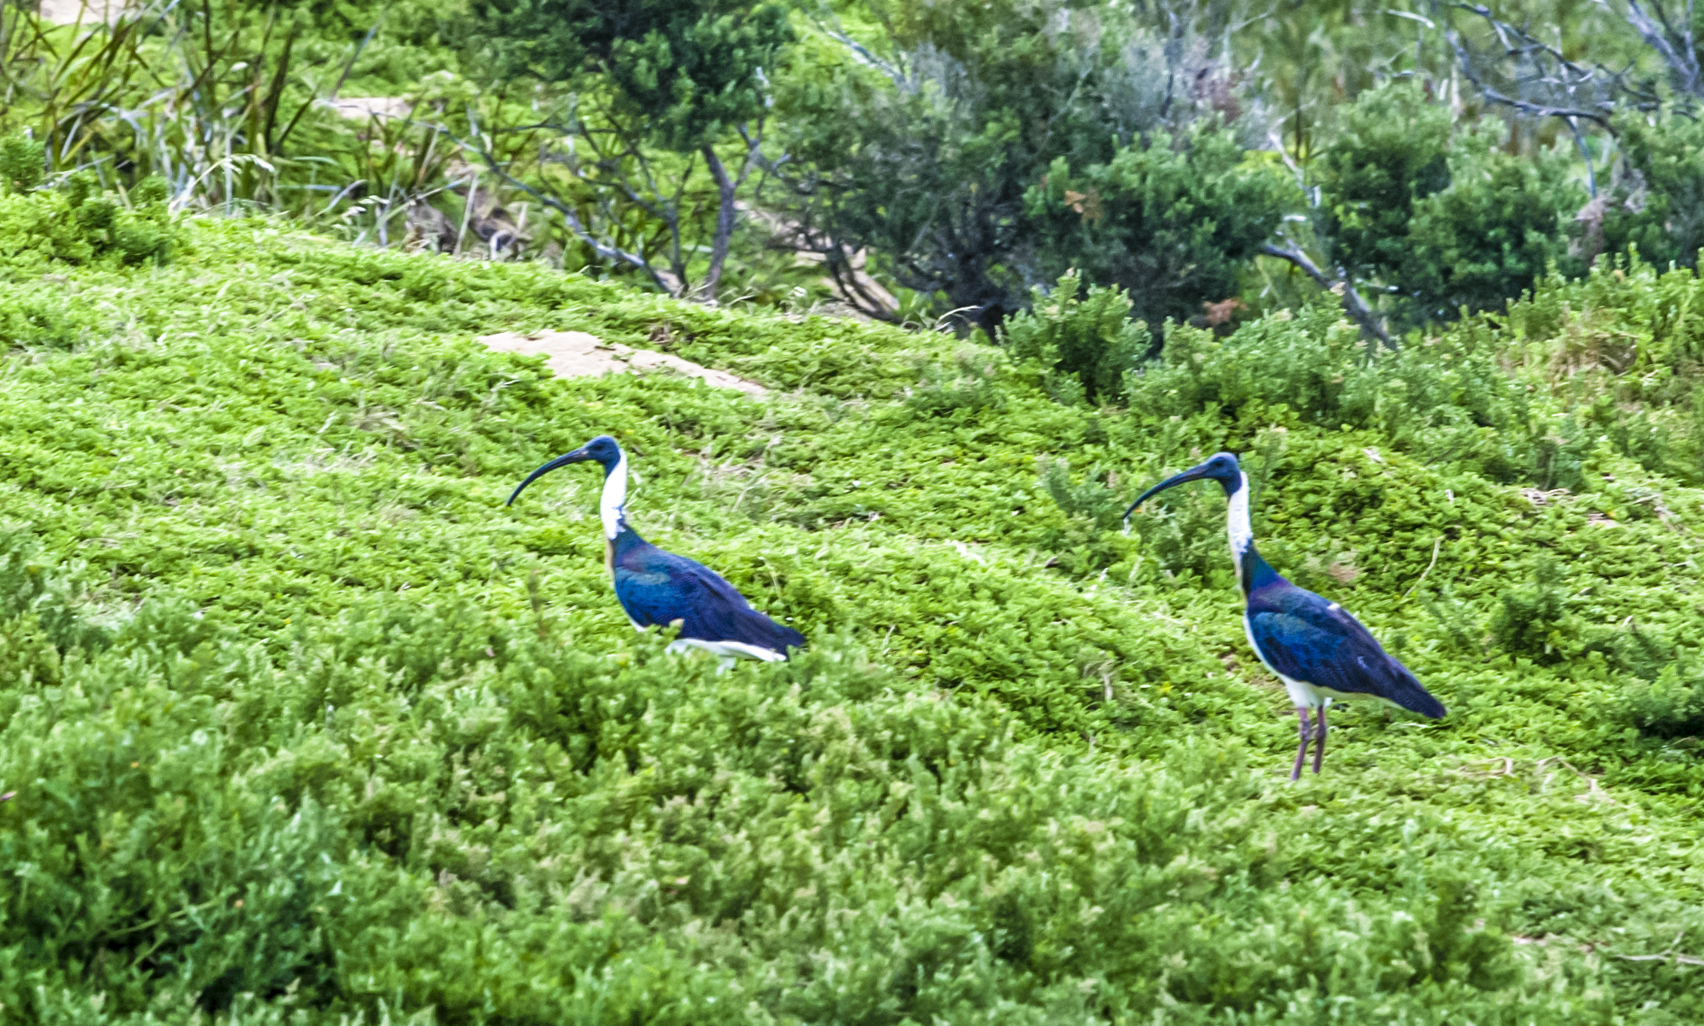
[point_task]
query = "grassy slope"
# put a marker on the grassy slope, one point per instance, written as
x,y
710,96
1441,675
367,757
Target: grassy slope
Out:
x,y
364,749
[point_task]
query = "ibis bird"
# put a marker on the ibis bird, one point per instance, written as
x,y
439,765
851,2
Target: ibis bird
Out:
x,y
657,588
1313,645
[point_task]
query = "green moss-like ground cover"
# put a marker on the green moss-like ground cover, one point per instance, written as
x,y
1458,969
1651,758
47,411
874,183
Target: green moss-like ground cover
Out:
x,y
304,726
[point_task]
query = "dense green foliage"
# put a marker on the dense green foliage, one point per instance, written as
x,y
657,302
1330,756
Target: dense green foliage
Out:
x,y
927,162
690,71
1389,154
979,150
76,222
1444,221
1657,205
1082,344
1172,221
302,725
299,724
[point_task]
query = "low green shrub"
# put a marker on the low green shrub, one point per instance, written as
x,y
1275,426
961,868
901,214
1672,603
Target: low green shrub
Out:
x,y
1445,395
1672,704
532,833
1081,342
1533,621
74,222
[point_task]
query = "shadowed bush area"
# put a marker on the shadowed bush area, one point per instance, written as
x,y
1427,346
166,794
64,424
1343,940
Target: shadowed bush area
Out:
x,y
302,725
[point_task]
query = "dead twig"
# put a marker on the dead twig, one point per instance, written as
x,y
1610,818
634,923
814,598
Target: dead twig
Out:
x,y
1436,545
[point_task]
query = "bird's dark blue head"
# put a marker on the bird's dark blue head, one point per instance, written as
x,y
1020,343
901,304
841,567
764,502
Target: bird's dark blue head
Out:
x,y
602,449
1221,467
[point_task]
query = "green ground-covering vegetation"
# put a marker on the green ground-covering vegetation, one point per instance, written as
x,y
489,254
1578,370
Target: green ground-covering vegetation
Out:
x,y
301,724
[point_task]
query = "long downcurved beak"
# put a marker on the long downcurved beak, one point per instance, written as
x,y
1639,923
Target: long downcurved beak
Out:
x,y
577,456
1196,473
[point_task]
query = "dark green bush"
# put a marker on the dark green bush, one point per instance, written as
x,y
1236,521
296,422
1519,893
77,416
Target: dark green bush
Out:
x,y
1492,233
1390,153
1655,204
1433,213
938,146
1172,220
694,69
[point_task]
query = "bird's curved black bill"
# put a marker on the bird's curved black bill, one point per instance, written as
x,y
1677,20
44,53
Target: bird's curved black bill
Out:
x,y
1192,474
577,456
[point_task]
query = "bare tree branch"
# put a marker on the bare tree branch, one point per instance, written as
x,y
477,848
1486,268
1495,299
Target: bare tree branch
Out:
x,y
725,189
1353,304
1534,78
1675,48
603,249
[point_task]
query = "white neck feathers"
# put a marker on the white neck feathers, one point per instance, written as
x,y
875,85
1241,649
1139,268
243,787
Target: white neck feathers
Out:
x,y
1236,524
610,507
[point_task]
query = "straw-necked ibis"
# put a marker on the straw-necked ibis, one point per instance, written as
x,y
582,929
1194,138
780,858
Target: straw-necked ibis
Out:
x,y
657,588
1313,645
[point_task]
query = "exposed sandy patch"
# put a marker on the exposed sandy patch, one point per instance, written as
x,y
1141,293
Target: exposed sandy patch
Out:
x,y
359,108
66,12
579,354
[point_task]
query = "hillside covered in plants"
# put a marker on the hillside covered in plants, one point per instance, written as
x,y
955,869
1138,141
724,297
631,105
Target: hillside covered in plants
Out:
x,y
924,164
300,724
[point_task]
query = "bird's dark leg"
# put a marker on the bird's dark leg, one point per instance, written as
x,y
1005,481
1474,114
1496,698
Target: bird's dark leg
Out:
x,y
1302,752
1319,739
